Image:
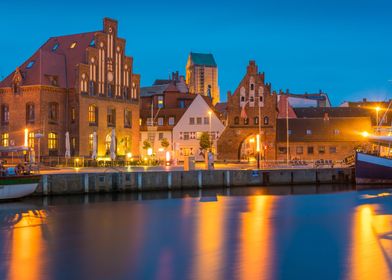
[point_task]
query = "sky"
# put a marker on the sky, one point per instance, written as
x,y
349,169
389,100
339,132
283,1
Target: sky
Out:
x,y
342,47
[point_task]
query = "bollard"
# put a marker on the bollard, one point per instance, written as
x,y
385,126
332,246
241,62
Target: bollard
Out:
x,y
139,181
86,188
227,178
45,184
199,179
169,180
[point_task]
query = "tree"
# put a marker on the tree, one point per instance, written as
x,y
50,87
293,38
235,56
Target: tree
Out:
x,y
205,143
146,145
164,143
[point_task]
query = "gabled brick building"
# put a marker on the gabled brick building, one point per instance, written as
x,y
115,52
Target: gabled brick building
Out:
x,y
78,84
251,109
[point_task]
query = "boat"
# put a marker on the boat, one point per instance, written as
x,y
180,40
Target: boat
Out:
x,y
14,184
13,187
371,168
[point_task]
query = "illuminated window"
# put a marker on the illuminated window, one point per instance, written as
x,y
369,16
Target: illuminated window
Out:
x,y
73,114
256,120
266,120
160,121
90,142
246,121
30,139
55,47
73,45
92,115
30,64
160,102
5,139
127,118
52,141
321,149
308,132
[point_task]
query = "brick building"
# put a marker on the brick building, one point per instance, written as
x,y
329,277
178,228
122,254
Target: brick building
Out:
x,y
80,83
202,75
250,110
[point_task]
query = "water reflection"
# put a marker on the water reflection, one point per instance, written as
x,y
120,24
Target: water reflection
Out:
x,y
244,233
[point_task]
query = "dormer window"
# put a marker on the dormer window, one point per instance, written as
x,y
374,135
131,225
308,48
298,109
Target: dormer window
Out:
x,y
92,43
30,64
55,47
73,45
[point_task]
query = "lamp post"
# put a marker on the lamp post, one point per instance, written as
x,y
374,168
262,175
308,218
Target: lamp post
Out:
x,y
211,141
377,110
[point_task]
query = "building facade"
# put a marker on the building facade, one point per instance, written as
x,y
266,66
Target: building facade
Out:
x,y
202,75
81,84
251,110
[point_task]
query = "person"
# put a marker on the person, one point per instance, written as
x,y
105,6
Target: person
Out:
x,y
19,169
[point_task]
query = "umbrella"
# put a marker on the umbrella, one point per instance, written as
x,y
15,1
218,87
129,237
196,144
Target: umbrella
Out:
x,y
94,154
113,145
67,146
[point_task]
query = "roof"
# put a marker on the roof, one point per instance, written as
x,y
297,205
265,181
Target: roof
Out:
x,y
153,90
205,59
333,112
54,58
334,129
285,110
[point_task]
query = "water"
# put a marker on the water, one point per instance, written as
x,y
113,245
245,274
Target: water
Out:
x,y
246,233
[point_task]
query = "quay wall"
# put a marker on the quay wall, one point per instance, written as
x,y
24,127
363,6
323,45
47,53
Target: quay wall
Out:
x,y
74,183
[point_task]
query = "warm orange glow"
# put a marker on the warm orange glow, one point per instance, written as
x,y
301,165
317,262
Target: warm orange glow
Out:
x,y
365,134
27,246
251,140
26,137
258,143
256,234
378,108
370,253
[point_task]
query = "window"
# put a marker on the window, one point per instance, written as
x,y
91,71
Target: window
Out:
x,y
73,114
90,142
30,139
110,90
73,45
151,137
299,150
92,88
150,121
186,135
198,120
332,150
290,132
252,86
266,120
160,135
336,131
160,102
191,120
30,64
29,113
5,114
181,104
246,121
236,120
73,144
52,141
5,139
310,150
242,99
111,117
321,149
171,120
206,120
92,43
308,132
127,118
93,115
55,47
256,120
282,150
251,99
53,112
160,121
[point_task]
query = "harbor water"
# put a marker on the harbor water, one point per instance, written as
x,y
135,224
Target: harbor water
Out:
x,y
309,232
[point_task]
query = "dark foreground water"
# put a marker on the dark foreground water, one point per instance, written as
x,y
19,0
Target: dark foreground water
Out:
x,y
247,233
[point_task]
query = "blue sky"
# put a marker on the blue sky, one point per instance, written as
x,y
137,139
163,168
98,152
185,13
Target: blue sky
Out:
x,y
341,47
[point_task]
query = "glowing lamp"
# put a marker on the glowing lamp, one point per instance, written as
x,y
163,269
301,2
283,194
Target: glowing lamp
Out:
x,y
251,140
378,108
168,156
161,149
365,134
149,151
26,137
258,143
129,155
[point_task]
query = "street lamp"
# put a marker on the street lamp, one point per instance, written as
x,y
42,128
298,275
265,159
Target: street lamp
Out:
x,y
377,110
211,141
258,150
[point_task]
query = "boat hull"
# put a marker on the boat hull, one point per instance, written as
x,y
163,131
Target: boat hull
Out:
x,y
18,186
371,169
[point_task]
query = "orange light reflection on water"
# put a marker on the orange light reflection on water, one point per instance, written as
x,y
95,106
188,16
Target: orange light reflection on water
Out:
x,y
25,261
256,233
369,256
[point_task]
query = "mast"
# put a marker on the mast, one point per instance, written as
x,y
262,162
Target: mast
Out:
x,y
287,129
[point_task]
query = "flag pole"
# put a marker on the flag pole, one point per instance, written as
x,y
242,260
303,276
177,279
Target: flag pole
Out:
x,y
287,130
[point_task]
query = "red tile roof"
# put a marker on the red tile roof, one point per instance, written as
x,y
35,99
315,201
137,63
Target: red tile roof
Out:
x,y
60,62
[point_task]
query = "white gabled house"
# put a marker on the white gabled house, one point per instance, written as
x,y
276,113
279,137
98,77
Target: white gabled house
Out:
x,y
200,116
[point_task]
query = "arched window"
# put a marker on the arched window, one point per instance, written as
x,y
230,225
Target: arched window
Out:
x,y
93,114
256,120
236,120
266,120
30,113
